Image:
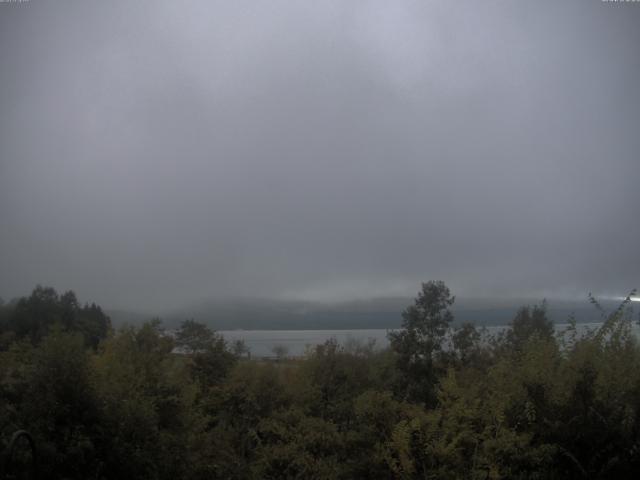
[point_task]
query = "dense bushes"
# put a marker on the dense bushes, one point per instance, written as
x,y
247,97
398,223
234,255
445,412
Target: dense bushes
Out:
x,y
440,403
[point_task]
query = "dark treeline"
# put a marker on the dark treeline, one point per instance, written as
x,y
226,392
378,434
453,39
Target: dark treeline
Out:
x,y
439,403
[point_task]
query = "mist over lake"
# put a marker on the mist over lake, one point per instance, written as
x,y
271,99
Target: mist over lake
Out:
x,y
295,343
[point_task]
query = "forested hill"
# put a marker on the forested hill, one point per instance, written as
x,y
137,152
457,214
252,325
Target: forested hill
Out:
x,y
383,313
263,314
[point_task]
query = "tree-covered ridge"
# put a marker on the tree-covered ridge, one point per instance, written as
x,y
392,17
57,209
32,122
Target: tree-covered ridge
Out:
x,y
439,403
33,317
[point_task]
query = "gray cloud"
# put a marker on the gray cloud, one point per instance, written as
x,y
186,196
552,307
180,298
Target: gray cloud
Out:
x,y
159,152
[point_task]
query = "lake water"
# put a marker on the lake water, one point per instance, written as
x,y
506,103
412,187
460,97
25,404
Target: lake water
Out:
x,y
262,342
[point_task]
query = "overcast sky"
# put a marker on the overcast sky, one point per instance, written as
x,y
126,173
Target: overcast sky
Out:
x,y
155,153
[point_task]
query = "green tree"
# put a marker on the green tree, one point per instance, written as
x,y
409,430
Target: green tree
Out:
x,y
468,348
209,358
34,316
60,407
240,349
147,399
424,326
211,366
252,393
529,322
336,378
193,337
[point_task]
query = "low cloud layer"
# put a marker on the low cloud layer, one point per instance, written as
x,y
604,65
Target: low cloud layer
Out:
x,y
155,153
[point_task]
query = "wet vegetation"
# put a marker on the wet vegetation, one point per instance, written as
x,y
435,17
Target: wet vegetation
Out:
x,y
439,403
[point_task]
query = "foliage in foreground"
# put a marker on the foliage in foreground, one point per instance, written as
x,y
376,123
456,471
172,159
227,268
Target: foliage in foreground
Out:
x,y
439,403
